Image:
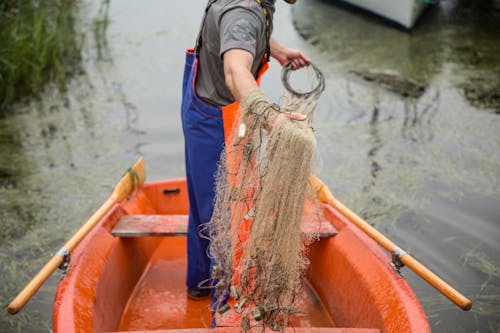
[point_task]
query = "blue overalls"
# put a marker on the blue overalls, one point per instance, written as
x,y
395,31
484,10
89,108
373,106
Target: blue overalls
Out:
x,y
203,140
205,129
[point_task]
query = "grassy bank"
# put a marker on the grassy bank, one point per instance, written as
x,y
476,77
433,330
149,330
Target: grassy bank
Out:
x,y
38,44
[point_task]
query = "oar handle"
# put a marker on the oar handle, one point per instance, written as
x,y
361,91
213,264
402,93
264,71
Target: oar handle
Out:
x,y
456,297
32,287
126,185
43,275
326,196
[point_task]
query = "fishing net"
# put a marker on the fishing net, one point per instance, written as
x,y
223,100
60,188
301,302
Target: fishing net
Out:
x,y
261,187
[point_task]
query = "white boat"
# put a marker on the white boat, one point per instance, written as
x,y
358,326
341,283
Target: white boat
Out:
x,y
403,12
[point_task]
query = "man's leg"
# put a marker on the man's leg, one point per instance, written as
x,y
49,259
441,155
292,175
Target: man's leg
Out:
x,y
204,140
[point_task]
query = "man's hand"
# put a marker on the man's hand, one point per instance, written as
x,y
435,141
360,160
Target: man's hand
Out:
x,y
284,54
274,119
271,112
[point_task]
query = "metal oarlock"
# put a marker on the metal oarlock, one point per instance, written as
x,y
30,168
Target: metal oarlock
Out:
x,y
64,253
396,263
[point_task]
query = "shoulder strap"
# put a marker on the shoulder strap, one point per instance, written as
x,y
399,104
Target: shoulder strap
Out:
x,y
198,39
268,30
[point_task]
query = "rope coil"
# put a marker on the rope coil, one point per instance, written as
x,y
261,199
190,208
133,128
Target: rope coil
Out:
x,y
318,83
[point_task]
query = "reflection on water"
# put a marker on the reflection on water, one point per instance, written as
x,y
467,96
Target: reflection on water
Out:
x,y
406,146
422,168
375,147
418,117
459,37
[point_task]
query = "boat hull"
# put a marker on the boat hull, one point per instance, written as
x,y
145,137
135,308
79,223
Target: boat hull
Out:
x,y
138,283
402,12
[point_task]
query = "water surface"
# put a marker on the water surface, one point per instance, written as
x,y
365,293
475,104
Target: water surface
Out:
x,y
423,169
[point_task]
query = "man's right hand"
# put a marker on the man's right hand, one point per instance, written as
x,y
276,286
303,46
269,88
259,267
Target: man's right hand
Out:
x,y
275,118
255,98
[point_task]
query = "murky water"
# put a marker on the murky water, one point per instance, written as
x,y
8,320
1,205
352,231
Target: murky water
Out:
x,y
424,169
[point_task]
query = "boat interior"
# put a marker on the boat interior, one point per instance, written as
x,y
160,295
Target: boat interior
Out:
x,y
126,277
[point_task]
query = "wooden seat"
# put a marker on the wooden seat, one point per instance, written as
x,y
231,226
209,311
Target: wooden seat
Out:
x,y
151,225
176,225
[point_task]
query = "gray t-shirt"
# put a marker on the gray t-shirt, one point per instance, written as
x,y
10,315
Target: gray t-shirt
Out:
x,y
229,24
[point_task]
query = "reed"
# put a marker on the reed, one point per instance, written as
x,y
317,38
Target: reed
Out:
x,y
38,44
480,261
99,28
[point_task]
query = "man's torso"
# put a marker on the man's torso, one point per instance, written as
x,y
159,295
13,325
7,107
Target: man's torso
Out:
x,y
229,24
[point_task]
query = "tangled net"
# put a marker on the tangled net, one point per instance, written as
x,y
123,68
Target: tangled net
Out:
x,y
261,187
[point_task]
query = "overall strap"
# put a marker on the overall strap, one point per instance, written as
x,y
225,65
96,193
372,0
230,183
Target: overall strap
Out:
x,y
198,39
268,29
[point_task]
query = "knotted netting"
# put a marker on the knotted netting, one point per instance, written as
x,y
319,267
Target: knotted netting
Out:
x,y
261,187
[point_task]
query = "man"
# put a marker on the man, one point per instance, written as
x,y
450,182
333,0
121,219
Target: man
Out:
x,y
231,54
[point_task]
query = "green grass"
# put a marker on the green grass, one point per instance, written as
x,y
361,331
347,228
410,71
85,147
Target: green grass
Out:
x,y
38,44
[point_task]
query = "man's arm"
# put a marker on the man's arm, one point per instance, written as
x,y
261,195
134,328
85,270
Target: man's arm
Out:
x,y
240,81
237,72
284,54
238,63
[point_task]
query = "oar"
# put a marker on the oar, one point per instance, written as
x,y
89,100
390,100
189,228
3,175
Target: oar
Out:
x,y
324,195
133,178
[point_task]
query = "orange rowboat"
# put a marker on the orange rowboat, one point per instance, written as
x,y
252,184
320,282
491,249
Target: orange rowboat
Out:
x,y
128,274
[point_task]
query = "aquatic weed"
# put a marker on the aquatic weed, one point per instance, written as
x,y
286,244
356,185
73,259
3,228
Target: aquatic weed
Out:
x,y
38,43
99,27
483,263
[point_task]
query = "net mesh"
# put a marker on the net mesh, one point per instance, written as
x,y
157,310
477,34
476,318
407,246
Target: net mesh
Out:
x,y
261,187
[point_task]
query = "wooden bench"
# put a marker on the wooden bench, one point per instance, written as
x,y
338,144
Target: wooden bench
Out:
x,y
176,225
